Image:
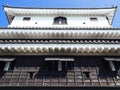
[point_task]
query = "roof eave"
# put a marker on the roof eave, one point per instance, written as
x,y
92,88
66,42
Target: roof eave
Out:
x,y
55,8
9,17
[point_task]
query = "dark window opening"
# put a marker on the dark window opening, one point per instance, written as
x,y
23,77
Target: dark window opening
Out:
x,y
53,65
7,65
26,19
86,75
12,65
70,65
93,19
60,20
2,65
31,75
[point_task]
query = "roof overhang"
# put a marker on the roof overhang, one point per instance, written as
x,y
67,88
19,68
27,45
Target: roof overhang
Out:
x,y
26,11
60,49
30,33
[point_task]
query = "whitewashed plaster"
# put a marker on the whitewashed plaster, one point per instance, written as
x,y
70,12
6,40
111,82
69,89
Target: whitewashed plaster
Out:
x,y
72,21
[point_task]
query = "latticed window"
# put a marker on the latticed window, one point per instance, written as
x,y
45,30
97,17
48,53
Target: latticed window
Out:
x,y
60,20
26,19
93,19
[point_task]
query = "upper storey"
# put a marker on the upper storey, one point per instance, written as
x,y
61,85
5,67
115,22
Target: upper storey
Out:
x,y
23,17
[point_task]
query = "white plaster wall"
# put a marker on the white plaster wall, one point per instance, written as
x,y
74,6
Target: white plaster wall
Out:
x,y
47,21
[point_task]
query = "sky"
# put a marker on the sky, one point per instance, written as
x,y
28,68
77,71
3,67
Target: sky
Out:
x,y
61,4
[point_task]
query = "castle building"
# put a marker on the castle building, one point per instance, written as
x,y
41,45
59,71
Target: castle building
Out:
x,y
59,48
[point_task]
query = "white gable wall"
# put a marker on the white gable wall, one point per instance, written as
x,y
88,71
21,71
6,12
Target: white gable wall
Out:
x,y
72,21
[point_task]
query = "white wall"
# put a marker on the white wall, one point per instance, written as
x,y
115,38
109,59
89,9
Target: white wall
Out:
x,y
47,21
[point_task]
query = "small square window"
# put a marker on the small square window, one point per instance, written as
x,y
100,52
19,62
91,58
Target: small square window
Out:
x,y
26,19
93,19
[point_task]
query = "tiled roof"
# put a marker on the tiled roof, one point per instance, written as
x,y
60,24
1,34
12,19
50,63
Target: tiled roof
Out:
x,y
61,33
13,11
60,49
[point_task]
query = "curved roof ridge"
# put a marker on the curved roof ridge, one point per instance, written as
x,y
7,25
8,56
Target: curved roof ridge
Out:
x,y
23,7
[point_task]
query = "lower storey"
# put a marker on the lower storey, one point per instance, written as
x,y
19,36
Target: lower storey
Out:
x,y
83,72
